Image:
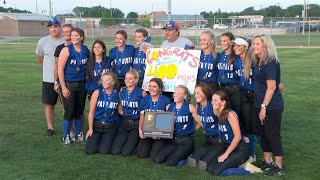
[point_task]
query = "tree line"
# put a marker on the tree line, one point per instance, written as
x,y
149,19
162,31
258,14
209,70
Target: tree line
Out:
x,y
114,16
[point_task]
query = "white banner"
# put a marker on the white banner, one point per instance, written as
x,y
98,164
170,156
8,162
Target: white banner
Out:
x,y
175,66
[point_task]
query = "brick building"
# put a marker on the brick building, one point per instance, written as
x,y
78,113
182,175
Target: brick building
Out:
x,y
23,24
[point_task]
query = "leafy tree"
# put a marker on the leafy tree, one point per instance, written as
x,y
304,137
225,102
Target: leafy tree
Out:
x,y
144,21
248,11
132,17
106,19
118,15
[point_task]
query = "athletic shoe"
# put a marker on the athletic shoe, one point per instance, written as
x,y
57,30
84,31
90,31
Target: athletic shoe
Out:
x,y
80,138
72,136
264,166
50,132
66,141
191,162
202,165
275,171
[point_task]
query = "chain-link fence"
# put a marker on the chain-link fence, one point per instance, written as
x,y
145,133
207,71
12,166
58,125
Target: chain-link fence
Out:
x,y
285,31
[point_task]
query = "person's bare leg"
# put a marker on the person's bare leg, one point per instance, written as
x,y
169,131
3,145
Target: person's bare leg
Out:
x,y
49,113
278,161
267,157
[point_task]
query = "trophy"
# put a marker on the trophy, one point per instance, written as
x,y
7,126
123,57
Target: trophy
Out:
x,y
158,124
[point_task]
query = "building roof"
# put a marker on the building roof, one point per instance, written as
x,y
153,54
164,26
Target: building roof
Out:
x,y
25,16
178,17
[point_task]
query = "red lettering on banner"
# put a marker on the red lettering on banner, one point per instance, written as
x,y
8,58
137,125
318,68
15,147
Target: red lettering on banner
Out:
x,y
164,52
193,62
186,78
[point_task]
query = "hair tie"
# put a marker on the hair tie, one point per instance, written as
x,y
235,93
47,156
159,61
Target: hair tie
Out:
x,y
149,39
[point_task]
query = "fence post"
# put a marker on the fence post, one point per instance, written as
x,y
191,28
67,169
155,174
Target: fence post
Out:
x,y
18,28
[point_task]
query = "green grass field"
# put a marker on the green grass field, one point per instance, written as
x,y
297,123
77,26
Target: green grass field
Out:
x,y
26,154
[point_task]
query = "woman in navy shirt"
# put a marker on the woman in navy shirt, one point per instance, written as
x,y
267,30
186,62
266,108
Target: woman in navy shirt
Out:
x,y
72,75
121,56
182,145
203,93
232,151
156,101
208,71
227,68
246,76
103,116
128,138
139,62
98,64
268,102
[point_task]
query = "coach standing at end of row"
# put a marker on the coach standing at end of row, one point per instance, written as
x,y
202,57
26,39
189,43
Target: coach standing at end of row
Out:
x,y
45,55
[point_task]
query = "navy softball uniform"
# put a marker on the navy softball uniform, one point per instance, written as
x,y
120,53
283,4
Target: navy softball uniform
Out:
x,y
182,145
146,146
210,124
270,131
227,73
105,123
229,79
75,77
128,138
139,62
122,60
208,70
246,108
99,69
238,156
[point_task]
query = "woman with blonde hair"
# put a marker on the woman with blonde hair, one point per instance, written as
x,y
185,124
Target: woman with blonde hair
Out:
x,y
182,145
103,116
128,138
268,102
208,71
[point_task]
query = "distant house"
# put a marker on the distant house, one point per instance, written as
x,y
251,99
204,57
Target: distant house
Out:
x,y
83,22
246,20
23,24
185,21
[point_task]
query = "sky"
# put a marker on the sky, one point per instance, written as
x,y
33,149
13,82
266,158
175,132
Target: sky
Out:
x,y
147,6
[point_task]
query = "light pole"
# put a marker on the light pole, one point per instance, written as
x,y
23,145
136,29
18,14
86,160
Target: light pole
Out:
x,y
110,9
304,16
50,11
169,10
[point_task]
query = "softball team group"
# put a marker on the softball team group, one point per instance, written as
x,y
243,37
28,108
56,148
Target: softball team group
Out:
x,y
238,100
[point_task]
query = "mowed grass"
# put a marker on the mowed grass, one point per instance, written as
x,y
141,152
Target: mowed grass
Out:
x,y
26,154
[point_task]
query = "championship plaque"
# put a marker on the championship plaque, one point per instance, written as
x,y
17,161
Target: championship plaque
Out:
x,y
158,124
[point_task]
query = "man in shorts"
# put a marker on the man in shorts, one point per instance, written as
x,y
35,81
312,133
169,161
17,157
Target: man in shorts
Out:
x,y
45,54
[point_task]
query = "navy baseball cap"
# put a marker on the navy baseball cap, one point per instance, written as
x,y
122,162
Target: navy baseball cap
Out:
x,y
171,25
54,21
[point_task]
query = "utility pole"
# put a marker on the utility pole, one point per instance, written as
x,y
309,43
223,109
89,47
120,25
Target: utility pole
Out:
x,y
50,10
37,6
304,16
110,9
169,10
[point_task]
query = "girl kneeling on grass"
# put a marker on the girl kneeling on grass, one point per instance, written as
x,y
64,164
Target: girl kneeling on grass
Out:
x,y
128,138
182,145
103,116
153,102
232,151
203,93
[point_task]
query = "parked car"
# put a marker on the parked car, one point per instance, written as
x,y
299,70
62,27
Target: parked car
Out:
x,y
219,26
307,27
316,27
157,27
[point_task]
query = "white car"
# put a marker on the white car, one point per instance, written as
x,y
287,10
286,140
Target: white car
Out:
x,y
220,26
